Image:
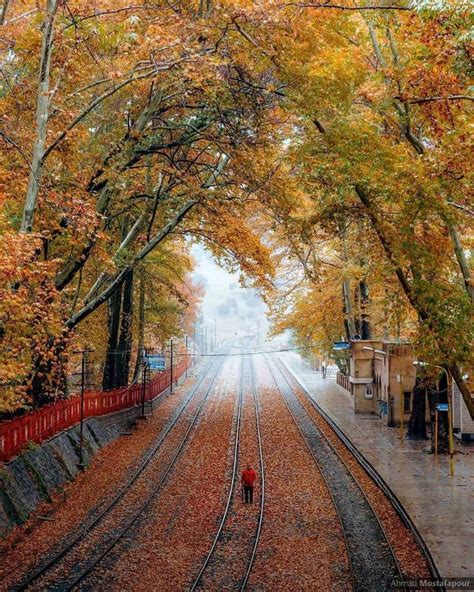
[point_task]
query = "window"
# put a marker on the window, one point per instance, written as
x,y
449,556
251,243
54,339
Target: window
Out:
x,y
406,402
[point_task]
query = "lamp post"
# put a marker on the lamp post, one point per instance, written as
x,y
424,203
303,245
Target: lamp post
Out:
x,y
450,414
384,353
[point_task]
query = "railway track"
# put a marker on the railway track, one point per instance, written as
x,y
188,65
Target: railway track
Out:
x,y
232,496
262,477
372,560
373,474
42,575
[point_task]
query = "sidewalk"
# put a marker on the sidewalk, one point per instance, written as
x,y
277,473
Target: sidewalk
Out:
x,y
442,507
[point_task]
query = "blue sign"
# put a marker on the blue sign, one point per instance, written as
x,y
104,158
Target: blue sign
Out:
x,y
156,361
341,345
442,407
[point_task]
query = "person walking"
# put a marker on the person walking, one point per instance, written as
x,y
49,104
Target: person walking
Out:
x,y
249,476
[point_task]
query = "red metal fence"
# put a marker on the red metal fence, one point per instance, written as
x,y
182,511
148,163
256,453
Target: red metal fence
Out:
x,y
40,425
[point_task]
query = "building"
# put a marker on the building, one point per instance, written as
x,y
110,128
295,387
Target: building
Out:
x,y
382,378
463,424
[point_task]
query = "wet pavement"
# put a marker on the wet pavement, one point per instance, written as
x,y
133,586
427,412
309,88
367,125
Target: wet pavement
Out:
x,y
440,506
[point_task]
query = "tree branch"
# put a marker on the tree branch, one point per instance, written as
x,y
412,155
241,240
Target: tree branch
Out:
x,y
91,306
432,99
342,7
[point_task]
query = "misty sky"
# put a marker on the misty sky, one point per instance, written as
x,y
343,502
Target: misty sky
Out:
x,y
237,310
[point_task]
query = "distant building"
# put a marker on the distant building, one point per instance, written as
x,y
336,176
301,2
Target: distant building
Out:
x,y
249,340
381,381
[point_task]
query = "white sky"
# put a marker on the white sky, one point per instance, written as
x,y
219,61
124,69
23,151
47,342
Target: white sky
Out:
x,y
236,309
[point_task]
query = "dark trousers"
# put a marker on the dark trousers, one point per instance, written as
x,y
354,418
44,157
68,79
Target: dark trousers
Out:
x,y
248,493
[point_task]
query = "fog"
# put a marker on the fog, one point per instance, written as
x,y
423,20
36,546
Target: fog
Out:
x,y
237,311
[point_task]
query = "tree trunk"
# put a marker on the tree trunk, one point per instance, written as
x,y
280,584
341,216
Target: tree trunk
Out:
x,y
365,332
110,365
42,108
141,327
463,264
349,323
3,11
417,424
125,339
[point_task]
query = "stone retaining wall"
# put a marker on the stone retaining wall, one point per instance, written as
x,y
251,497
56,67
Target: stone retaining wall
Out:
x,y
34,475
40,471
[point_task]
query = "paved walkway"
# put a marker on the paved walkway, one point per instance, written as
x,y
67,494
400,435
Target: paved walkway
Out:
x,y
442,507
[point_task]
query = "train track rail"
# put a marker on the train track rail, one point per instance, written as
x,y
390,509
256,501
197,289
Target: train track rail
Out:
x,y
372,560
262,477
232,493
376,477
53,563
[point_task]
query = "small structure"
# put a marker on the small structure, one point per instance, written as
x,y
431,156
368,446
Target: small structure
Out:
x,y
382,377
463,424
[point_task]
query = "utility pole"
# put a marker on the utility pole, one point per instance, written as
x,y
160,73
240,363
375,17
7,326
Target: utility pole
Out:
x,y
144,379
186,356
194,347
215,332
83,390
171,366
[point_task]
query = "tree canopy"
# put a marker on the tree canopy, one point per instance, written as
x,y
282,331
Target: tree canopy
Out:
x,y
323,149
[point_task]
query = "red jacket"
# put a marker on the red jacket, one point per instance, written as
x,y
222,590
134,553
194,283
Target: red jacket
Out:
x,y
248,477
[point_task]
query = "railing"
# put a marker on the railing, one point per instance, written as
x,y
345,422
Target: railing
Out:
x,y
44,423
343,380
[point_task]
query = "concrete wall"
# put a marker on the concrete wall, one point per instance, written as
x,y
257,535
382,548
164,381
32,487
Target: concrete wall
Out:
x,y
465,425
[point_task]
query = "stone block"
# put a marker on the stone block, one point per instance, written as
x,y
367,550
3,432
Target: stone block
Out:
x,y
45,469
18,493
65,453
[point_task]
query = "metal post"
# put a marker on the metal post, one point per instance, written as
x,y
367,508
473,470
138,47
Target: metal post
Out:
x,y
186,356
401,399
81,429
194,347
450,425
144,378
171,367
436,432
450,415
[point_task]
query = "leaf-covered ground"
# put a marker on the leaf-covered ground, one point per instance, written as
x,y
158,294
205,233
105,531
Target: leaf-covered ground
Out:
x,y
301,544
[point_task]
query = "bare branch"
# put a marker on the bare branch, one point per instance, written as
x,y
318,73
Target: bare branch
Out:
x,y
9,140
433,99
88,109
342,7
461,207
147,7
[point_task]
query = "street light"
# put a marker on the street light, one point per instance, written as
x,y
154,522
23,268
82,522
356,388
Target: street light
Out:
x,y
450,414
384,353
